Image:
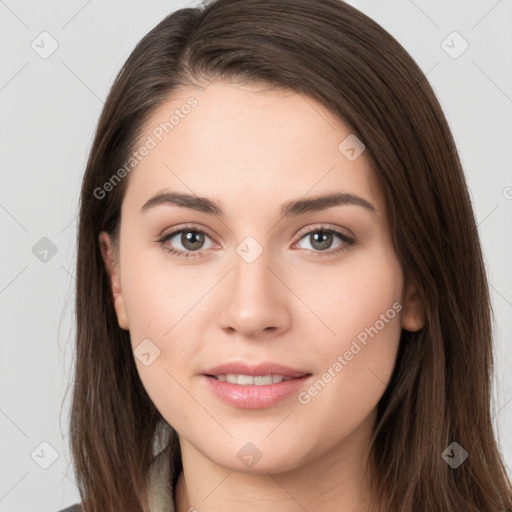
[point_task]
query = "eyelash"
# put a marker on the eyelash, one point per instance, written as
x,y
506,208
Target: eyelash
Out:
x,y
348,241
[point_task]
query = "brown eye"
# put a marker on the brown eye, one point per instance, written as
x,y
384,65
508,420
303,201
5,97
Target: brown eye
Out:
x,y
185,242
192,240
322,239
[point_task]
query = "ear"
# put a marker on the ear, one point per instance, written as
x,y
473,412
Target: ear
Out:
x,y
413,315
112,265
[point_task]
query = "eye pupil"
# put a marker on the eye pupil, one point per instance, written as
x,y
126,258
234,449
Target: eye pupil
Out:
x,y
192,240
321,244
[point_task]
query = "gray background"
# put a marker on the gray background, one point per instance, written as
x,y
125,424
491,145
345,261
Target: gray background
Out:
x,y
49,108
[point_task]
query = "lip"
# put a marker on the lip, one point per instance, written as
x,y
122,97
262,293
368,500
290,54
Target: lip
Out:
x,y
254,397
241,368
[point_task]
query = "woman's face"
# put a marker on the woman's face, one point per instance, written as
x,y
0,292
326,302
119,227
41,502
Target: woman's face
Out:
x,y
269,284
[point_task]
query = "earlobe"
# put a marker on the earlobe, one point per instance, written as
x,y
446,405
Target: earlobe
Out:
x,y
413,314
112,267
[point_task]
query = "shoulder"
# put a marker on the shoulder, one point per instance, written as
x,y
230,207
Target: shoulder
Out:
x,y
73,508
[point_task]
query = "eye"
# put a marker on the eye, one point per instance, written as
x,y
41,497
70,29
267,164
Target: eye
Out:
x,y
191,240
321,238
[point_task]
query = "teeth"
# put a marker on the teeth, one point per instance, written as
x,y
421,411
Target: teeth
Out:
x,y
249,380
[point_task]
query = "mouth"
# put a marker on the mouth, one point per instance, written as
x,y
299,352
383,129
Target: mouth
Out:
x,y
250,380
254,386
261,374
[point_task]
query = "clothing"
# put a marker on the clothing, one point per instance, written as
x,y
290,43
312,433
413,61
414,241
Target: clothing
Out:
x,y
160,493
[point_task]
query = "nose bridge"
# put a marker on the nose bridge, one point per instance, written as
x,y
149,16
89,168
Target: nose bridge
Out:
x,y
251,274
253,300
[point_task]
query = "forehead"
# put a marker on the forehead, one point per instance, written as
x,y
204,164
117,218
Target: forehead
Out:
x,y
241,143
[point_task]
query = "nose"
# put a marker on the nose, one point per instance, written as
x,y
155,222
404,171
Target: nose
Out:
x,y
255,299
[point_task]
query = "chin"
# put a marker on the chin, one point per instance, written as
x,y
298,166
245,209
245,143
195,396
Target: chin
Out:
x,y
257,458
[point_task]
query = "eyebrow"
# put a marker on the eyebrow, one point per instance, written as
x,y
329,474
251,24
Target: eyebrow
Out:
x,y
288,209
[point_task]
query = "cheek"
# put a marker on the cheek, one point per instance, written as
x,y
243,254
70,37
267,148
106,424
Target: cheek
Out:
x,y
155,297
161,305
354,377
158,315
354,300
363,309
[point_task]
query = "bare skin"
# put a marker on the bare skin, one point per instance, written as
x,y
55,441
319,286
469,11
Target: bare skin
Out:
x,y
252,151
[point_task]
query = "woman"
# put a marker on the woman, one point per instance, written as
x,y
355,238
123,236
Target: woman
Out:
x,y
281,299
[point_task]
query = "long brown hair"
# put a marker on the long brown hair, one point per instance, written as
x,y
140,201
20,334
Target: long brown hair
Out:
x,y
440,390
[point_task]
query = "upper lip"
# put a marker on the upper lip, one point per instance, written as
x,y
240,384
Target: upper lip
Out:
x,y
267,368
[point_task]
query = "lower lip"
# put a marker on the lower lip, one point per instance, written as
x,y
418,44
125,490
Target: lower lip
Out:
x,y
255,397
